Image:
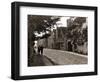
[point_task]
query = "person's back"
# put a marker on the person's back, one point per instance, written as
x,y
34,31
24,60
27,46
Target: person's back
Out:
x,y
41,49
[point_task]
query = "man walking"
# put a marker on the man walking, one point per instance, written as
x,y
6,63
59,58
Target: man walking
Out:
x,y
41,50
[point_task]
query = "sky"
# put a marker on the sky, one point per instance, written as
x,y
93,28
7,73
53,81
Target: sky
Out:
x,y
63,21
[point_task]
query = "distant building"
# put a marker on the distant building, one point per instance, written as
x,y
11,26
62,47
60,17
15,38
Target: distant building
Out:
x,y
57,40
70,21
41,42
61,38
51,40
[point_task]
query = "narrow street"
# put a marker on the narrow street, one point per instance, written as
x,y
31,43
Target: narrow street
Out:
x,y
58,57
64,57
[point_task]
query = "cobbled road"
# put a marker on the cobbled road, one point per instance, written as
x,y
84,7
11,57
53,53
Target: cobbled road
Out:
x,y
64,57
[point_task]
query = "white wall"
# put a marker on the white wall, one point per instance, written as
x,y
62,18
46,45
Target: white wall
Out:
x,y
5,40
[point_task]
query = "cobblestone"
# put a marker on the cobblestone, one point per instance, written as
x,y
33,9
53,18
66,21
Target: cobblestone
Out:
x,y
64,57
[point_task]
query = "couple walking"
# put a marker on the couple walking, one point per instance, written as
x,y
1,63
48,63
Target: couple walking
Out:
x,y
40,50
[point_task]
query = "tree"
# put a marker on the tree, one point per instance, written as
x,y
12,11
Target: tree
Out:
x,y
76,33
39,24
79,20
42,23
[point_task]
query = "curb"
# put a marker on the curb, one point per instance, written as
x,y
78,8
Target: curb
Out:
x,y
54,63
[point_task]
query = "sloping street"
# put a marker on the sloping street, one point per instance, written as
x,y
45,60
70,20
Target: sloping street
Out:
x,y
64,57
57,57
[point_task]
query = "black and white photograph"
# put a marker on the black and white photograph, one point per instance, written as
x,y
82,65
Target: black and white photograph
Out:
x,y
53,40
57,40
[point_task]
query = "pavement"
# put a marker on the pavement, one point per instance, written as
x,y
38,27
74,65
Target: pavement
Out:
x,y
40,60
65,57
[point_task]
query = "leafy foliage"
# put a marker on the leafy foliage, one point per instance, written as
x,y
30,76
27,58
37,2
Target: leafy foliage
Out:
x,y
41,23
76,33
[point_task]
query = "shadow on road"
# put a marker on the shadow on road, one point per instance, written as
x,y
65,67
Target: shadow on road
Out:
x,y
40,60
